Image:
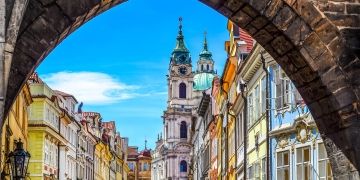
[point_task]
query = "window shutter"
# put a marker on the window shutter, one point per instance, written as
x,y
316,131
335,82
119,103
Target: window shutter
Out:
x,y
278,85
298,98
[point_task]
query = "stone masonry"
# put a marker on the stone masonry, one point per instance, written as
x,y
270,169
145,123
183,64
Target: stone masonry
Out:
x,y
316,42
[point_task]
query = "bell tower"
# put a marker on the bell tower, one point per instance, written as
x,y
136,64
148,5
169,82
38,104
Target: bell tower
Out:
x,y
180,72
205,62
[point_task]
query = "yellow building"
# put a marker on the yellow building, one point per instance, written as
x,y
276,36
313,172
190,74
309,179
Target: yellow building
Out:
x,y
224,97
144,164
229,93
15,127
122,168
44,132
102,160
139,163
256,150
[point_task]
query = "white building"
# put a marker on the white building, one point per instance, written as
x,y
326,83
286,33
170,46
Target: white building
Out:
x,y
172,156
69,128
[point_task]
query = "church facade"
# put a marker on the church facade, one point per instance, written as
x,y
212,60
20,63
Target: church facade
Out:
x,y
171,158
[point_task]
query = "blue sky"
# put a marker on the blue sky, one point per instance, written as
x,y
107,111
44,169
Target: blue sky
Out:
x,y
117,62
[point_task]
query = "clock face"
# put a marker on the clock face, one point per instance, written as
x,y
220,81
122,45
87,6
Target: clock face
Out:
x,y
182,58
182,70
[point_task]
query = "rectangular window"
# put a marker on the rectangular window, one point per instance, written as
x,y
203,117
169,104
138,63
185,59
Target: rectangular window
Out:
x,y
297,97
324,164
263,168
303,156
256,104
282,165
231,143
250,173
46,152
214,148
47,115
284,89
223,158
263,94
239,129
257,171
250,110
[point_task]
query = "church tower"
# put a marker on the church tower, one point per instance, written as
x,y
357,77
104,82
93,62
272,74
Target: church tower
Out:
x,y
171,158
180,73
205,62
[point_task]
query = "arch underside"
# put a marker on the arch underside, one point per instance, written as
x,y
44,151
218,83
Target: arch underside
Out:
x,y
311,49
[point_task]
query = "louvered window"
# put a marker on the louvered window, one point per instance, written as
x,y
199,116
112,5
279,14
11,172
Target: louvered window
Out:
x,y
283,89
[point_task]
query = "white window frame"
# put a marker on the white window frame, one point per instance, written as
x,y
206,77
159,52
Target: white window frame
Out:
x,y
290,162
321,160
309,163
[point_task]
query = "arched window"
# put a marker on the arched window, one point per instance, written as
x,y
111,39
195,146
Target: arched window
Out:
x,y
207,67
202,67
182,90
183,129
183,166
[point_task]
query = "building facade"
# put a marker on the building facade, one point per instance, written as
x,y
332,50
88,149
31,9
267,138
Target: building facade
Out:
x,y
296,148
64,143
139,163
15,128
45,139
172,155
69,128
86,145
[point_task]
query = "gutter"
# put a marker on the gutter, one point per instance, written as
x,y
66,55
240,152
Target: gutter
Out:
x,y
245,132
267,107
235,123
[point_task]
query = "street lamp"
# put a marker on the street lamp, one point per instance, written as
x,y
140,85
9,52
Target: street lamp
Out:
x,y
19,161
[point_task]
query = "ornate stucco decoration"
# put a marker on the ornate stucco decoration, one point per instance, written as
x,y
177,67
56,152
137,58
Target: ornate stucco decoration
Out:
x,y
183,148
283,140
303,132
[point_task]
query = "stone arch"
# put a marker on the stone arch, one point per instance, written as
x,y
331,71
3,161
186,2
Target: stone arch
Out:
x,y
317,48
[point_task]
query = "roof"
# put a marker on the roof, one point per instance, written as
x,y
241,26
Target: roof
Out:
x,y
34,78
145,153
109,125
244,36
65,95
203,81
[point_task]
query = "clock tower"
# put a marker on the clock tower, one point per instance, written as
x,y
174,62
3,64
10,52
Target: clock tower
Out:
x,y
180,73
172,155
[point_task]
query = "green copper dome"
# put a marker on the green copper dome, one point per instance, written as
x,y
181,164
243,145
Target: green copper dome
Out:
x,y
203,81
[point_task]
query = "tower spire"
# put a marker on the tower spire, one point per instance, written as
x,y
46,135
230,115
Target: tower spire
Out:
x,y
205,42
145,144
205,53
180,26
180,45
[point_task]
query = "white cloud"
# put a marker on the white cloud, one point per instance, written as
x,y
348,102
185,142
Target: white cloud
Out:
x,y
92,88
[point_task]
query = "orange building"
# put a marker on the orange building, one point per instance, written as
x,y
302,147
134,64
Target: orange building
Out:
x,y
139,163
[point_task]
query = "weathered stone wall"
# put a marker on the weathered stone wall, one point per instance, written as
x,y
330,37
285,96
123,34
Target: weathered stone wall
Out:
x,y
315,41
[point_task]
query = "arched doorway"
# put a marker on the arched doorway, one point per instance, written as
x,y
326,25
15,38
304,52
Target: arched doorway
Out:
x,y
313,44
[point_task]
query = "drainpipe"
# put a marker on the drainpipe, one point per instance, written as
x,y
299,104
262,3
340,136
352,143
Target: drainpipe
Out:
x,y
267,107
93,163
245,130
235,120
225,131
